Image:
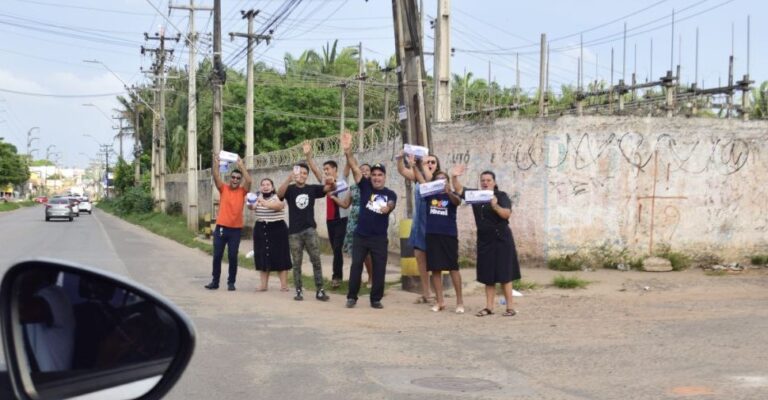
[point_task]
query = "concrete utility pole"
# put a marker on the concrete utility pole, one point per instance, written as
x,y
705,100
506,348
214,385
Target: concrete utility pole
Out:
x,y
136,143
386,72
120,131
161,55
218,77
542,72
343,100
192,210
249,15
442,58
360,98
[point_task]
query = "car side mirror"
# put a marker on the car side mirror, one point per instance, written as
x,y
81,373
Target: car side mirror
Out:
x,y
69,331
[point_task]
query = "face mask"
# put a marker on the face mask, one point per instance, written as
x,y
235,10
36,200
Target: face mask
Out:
x,y
266,195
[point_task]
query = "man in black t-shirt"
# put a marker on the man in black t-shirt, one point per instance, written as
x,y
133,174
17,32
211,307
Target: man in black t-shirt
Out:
x,y
376,203
301,228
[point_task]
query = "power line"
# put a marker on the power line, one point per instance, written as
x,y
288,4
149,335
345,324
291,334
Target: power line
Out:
x,y
60,95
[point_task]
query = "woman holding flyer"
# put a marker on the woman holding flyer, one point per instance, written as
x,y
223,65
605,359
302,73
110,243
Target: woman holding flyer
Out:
x,y
417,239
442,235
270,236
496,253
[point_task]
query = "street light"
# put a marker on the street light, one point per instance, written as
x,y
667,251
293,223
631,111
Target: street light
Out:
x,y
125,85
100,110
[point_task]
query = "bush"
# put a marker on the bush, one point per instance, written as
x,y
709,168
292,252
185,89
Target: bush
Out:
x,y
569,282
135,200
678,260
570,262
759,259
174,208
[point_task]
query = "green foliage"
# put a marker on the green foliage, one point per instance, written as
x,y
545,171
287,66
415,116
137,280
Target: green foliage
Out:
x,y
761,259
134,200
760,101
569,282
610,257
41,163
13,169
524,285
678,260
570,262
54,177
124,177
174,208
8,206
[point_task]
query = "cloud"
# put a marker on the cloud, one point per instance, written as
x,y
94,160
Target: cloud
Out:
x,y
11,81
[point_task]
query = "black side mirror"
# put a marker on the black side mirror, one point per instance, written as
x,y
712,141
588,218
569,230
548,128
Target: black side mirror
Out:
x,y
68,331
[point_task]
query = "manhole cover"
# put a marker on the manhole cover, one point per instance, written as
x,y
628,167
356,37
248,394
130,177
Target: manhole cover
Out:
x,y
454,384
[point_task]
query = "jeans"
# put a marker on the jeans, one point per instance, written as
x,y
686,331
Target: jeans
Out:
x,y
230,237
306,239
337,228
361,247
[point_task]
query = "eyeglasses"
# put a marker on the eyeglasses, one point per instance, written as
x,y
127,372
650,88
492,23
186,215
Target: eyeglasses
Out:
x,y
431,162
235,177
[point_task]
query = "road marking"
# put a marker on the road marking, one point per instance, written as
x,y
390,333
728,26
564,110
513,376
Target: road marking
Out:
x,y
692,391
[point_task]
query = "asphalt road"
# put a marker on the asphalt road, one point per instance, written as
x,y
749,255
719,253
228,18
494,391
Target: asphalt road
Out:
x,y
689,336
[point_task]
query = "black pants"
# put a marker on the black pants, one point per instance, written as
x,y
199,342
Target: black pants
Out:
x,y
337,229
361,247
230,237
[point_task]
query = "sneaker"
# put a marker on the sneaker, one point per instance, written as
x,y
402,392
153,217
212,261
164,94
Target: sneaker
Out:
x,y
212,286
351,303
376,304
231,287
320,295
299,296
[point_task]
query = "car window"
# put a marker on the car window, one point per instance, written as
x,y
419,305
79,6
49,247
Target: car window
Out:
x,y
59,201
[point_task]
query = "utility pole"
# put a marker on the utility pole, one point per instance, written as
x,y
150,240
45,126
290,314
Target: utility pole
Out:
x,y
218,77
120,132
386,72
251,37
343,86
136,144
360,97
542,72
161,55
442,59
193,216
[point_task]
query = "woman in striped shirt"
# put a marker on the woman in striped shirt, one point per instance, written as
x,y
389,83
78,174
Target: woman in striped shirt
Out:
x,y
270,236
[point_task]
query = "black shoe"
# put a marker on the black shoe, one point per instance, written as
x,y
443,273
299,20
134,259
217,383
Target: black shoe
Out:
x,y
212,286
231,287
351,303
299,296
320,295
376,304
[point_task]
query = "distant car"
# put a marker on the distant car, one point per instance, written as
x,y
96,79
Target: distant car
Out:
x,y
59,207
73,203
41,199
85,206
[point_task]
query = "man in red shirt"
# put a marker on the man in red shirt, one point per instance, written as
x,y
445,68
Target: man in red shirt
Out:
x,y
229,222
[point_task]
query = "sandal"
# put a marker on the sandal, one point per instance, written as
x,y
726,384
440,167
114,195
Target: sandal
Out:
x,y
421,300
437,308
459,309
509,313
484,312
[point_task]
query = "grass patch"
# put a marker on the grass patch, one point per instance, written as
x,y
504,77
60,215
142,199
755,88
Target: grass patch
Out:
x,y
759,259
524,285
569,282
570,262
8,206
465,262
678,260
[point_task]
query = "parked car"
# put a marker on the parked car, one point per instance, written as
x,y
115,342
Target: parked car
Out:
x,y
59,207
85,206
41,199
71,331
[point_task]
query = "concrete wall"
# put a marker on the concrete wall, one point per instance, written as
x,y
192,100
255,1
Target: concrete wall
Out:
x,y
635,183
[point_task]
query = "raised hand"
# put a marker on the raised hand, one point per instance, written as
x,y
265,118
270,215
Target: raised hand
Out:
x,y
240,164
346,141
306,147
458,169
411,160
216,158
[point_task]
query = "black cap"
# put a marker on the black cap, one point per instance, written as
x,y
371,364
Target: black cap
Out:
x,y
380,167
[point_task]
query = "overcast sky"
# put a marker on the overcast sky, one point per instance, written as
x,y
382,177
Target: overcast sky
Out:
x,y
45,41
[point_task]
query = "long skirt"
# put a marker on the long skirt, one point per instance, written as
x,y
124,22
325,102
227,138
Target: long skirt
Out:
x,y
270,246
497,257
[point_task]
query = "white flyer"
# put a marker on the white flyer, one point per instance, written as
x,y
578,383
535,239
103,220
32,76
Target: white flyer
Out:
x,y
228,157
416,151
341,186
430,188
478,196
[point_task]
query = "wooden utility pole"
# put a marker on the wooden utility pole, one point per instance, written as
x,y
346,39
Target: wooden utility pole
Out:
x,y
360,98
249,15
193,216
442,57
161,55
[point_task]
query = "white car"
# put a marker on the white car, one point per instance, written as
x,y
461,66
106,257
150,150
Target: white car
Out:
x,y
85,206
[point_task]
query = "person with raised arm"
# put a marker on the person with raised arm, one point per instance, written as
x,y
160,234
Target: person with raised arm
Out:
x,y
229,221
497,261
376,203
352,201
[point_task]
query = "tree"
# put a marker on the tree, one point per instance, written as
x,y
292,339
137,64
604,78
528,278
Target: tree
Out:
x,y
123,178
760,99
13,169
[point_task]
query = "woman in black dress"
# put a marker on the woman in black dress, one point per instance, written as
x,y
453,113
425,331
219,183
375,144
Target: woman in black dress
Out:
x,y
270,236
496,252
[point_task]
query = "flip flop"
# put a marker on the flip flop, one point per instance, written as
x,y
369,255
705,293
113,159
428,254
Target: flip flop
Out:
x,y
509,313
484,312
459,309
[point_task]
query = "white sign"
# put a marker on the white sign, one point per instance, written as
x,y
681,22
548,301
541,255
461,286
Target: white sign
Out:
x,y
227,156
416,151
341,186
402,113
430,188
478,196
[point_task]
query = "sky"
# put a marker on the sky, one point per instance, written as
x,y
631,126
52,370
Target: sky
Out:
x,y
44,83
